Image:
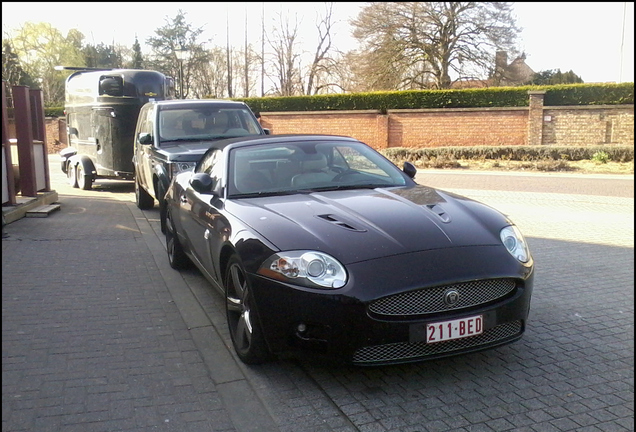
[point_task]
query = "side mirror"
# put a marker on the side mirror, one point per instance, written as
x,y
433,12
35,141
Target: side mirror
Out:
x,y
202,183
409,169
267,131
144,138
72,130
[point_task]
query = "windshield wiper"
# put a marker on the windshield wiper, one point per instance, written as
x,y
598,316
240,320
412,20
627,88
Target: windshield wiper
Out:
x,y
261,194
195,138
349,187
179,139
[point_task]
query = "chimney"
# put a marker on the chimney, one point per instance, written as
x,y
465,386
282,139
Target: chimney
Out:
x,y
501,61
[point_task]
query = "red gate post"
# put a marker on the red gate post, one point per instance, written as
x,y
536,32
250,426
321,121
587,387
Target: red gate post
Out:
x,y
24,136
6,148
39,130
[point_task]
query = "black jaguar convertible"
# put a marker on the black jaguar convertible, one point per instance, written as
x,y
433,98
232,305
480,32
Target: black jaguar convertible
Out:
x,y
320,245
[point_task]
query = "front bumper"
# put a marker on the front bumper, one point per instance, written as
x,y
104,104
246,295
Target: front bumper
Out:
x,y
339,324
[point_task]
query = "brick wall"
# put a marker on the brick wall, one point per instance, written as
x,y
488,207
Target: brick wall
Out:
x,y
457,127
562,126
537,125
578,126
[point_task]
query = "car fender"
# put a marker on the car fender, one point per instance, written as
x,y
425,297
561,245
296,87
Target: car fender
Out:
x,y
161,179
252,248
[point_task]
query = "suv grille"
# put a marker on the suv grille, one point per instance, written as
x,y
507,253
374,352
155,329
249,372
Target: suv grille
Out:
x,y
404,351
431,300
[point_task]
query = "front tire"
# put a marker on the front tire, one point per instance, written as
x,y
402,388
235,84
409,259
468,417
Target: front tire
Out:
x,y
143,199
176,256
242,318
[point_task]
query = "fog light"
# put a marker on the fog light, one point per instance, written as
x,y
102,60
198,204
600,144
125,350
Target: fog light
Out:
x,y
302,328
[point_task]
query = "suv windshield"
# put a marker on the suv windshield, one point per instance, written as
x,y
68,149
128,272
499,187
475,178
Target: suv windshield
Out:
x,y
184,124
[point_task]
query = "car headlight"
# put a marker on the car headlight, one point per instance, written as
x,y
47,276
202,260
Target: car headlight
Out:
x,y
514,242
308,268
177,167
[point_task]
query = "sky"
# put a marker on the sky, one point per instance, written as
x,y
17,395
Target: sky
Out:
x,y
593,39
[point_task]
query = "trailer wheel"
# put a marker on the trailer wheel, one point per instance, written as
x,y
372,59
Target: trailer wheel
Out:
x,y
72,178
84,181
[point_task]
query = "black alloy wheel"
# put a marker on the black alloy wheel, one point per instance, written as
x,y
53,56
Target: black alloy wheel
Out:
x,y
242,318
176,256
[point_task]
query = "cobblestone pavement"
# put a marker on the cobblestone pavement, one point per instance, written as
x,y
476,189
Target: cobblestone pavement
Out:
x,y
144,347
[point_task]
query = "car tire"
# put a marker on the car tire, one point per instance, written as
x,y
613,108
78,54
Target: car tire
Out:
x,y
162,208
143,199
242,318
176,256
84,181
72,178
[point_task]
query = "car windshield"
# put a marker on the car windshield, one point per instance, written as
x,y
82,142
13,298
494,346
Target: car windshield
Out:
x,y
195,124
304,167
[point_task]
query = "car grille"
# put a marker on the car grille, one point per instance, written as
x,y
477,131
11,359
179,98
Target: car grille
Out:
x,y
405,351
431,300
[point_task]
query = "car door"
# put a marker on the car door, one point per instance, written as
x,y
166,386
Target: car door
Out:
x,y
203,224
143,152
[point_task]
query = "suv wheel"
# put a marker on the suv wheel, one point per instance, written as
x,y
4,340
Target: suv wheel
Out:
x,y
143,199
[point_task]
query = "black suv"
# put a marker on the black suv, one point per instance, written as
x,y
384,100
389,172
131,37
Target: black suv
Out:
x,y
172,135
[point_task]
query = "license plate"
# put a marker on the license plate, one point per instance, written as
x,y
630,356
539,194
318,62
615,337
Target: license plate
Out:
x,y
454,329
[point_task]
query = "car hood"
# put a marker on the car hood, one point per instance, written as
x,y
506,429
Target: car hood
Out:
x,y
190,151
359,225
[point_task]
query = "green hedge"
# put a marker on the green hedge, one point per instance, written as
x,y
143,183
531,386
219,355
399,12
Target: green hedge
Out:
x,y
557,95
516,153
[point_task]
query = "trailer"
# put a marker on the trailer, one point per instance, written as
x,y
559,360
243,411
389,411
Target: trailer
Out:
x,y
101,108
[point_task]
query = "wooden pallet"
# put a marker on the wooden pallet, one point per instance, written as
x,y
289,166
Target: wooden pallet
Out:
x,y
42,211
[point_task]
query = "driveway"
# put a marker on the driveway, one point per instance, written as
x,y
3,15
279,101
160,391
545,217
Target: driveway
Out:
x,y
572,371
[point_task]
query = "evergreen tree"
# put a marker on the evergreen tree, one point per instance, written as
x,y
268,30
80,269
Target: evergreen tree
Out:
x,y
12,71
137,60
554,77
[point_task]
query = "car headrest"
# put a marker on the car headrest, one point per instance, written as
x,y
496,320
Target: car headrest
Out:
x,y
314,162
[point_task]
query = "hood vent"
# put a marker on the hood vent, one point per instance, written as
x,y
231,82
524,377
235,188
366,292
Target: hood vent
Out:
x,y
341,223
439,211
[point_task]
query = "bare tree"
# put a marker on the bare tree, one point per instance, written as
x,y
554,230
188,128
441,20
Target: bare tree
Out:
x,y
209,78
320,67
286,58
419,44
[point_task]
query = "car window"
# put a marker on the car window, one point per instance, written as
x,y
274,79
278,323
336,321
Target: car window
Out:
x,y
200,123
215,168
286,168
145,122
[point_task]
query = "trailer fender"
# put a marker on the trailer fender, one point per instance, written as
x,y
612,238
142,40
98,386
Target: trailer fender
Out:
x,y
65,157
85,173
88,166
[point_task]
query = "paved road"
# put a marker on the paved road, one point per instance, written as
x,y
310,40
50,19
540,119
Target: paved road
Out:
x,y
119,341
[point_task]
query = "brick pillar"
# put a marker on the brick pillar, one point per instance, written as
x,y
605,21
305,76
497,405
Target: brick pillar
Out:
x,y
535,117
6,156
24,136
382,134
